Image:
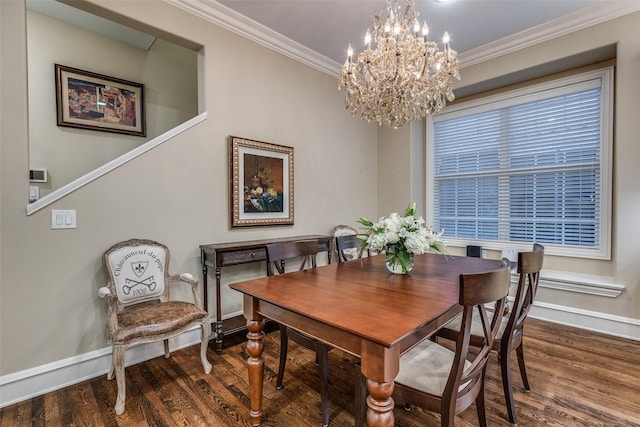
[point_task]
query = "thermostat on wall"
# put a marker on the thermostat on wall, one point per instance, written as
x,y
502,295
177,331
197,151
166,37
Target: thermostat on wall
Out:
x,y
38,175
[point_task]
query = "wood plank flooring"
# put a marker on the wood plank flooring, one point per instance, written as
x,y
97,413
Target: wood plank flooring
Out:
x,y
578,378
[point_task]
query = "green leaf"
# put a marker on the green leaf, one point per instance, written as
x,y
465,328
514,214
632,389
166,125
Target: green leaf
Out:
x,y
365,222
411,209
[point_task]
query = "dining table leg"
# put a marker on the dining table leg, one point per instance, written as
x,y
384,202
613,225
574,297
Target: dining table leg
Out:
x,y
255,362
380,366
380,404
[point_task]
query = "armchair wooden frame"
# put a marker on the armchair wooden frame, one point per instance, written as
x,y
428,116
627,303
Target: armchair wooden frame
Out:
x,y
139,309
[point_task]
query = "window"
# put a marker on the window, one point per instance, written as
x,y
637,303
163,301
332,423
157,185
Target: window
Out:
x,y
531,165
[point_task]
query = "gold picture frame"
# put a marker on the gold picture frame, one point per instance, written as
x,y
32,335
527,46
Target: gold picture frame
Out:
x,y
94,101
261,183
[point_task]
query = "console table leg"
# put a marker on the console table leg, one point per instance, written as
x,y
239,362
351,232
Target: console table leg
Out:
x,y
219,333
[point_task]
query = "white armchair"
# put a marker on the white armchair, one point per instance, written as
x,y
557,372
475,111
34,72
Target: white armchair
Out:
x,y
139,305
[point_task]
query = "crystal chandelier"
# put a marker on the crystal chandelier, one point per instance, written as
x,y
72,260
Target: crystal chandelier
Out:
x,y
405,76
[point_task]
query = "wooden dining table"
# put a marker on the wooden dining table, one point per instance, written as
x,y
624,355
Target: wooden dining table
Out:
x,y
361,308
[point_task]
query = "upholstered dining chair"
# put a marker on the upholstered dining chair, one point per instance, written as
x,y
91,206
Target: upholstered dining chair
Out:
x,y
277,254
511,330
139,309
438,379
350,247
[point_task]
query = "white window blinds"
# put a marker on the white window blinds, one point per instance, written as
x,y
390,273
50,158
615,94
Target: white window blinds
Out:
x,y
525,167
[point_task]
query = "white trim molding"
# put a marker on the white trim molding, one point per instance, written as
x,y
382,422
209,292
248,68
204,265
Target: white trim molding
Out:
x,y
52,376
609,324
570,282
107,167
596,14
229,19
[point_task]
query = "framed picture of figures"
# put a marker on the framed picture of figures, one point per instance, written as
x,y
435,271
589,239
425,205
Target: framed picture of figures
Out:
x,y
94,101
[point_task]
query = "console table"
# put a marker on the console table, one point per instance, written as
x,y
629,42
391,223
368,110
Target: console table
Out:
x,y
220,255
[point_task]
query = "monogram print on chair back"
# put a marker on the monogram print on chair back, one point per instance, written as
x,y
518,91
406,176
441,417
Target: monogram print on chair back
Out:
x,y
137,272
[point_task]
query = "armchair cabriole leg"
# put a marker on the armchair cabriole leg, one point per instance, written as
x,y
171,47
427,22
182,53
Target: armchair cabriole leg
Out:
x,y
206,332
167,354
118,361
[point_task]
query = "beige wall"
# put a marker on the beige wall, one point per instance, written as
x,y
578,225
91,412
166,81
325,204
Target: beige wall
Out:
x,y
168,71
176,193
394,166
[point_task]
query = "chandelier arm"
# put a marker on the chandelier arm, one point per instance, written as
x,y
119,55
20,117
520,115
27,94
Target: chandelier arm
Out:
x,y
379,89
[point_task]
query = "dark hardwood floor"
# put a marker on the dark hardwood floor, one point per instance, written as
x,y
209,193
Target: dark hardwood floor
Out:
x,y
578,378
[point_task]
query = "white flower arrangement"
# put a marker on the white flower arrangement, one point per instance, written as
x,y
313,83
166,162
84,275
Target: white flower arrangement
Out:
x,y
401,237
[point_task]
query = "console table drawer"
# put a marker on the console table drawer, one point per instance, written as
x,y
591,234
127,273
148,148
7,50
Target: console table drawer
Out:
x,y
242,257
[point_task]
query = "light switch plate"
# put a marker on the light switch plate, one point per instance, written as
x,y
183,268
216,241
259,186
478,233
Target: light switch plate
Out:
x,y
63,219
34,193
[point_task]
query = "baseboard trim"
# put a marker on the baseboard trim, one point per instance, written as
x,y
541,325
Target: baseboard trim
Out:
x,y
619,326
37,381
52,376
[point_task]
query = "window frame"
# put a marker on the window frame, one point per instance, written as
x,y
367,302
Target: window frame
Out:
x,y
543,90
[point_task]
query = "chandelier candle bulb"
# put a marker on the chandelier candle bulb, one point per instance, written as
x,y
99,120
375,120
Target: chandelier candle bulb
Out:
x,y
401,76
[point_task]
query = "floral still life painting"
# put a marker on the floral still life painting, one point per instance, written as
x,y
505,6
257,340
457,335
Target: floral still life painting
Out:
x,y
402,237
263,184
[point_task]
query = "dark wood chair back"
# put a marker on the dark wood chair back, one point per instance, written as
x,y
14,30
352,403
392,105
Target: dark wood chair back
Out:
x,y
529,266
465,383
510,337
350,247
278,253
476,291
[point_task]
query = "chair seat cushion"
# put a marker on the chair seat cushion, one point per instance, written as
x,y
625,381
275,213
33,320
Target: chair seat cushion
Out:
x,y
426,367
476,325
148,320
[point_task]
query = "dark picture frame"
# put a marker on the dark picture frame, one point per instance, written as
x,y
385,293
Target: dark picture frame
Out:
x,y
93,101
261,183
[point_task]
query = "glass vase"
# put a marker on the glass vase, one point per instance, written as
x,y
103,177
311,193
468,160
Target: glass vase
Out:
x,y
395,266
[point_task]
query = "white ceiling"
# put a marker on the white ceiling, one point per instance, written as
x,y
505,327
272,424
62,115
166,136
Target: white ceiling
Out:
x,y
328,26
318,32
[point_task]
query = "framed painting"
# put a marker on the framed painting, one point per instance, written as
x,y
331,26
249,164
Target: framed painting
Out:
x,y
261,183
93,101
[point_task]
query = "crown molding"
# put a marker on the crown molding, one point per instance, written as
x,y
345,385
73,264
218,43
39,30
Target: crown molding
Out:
x,y
229,19
593,15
